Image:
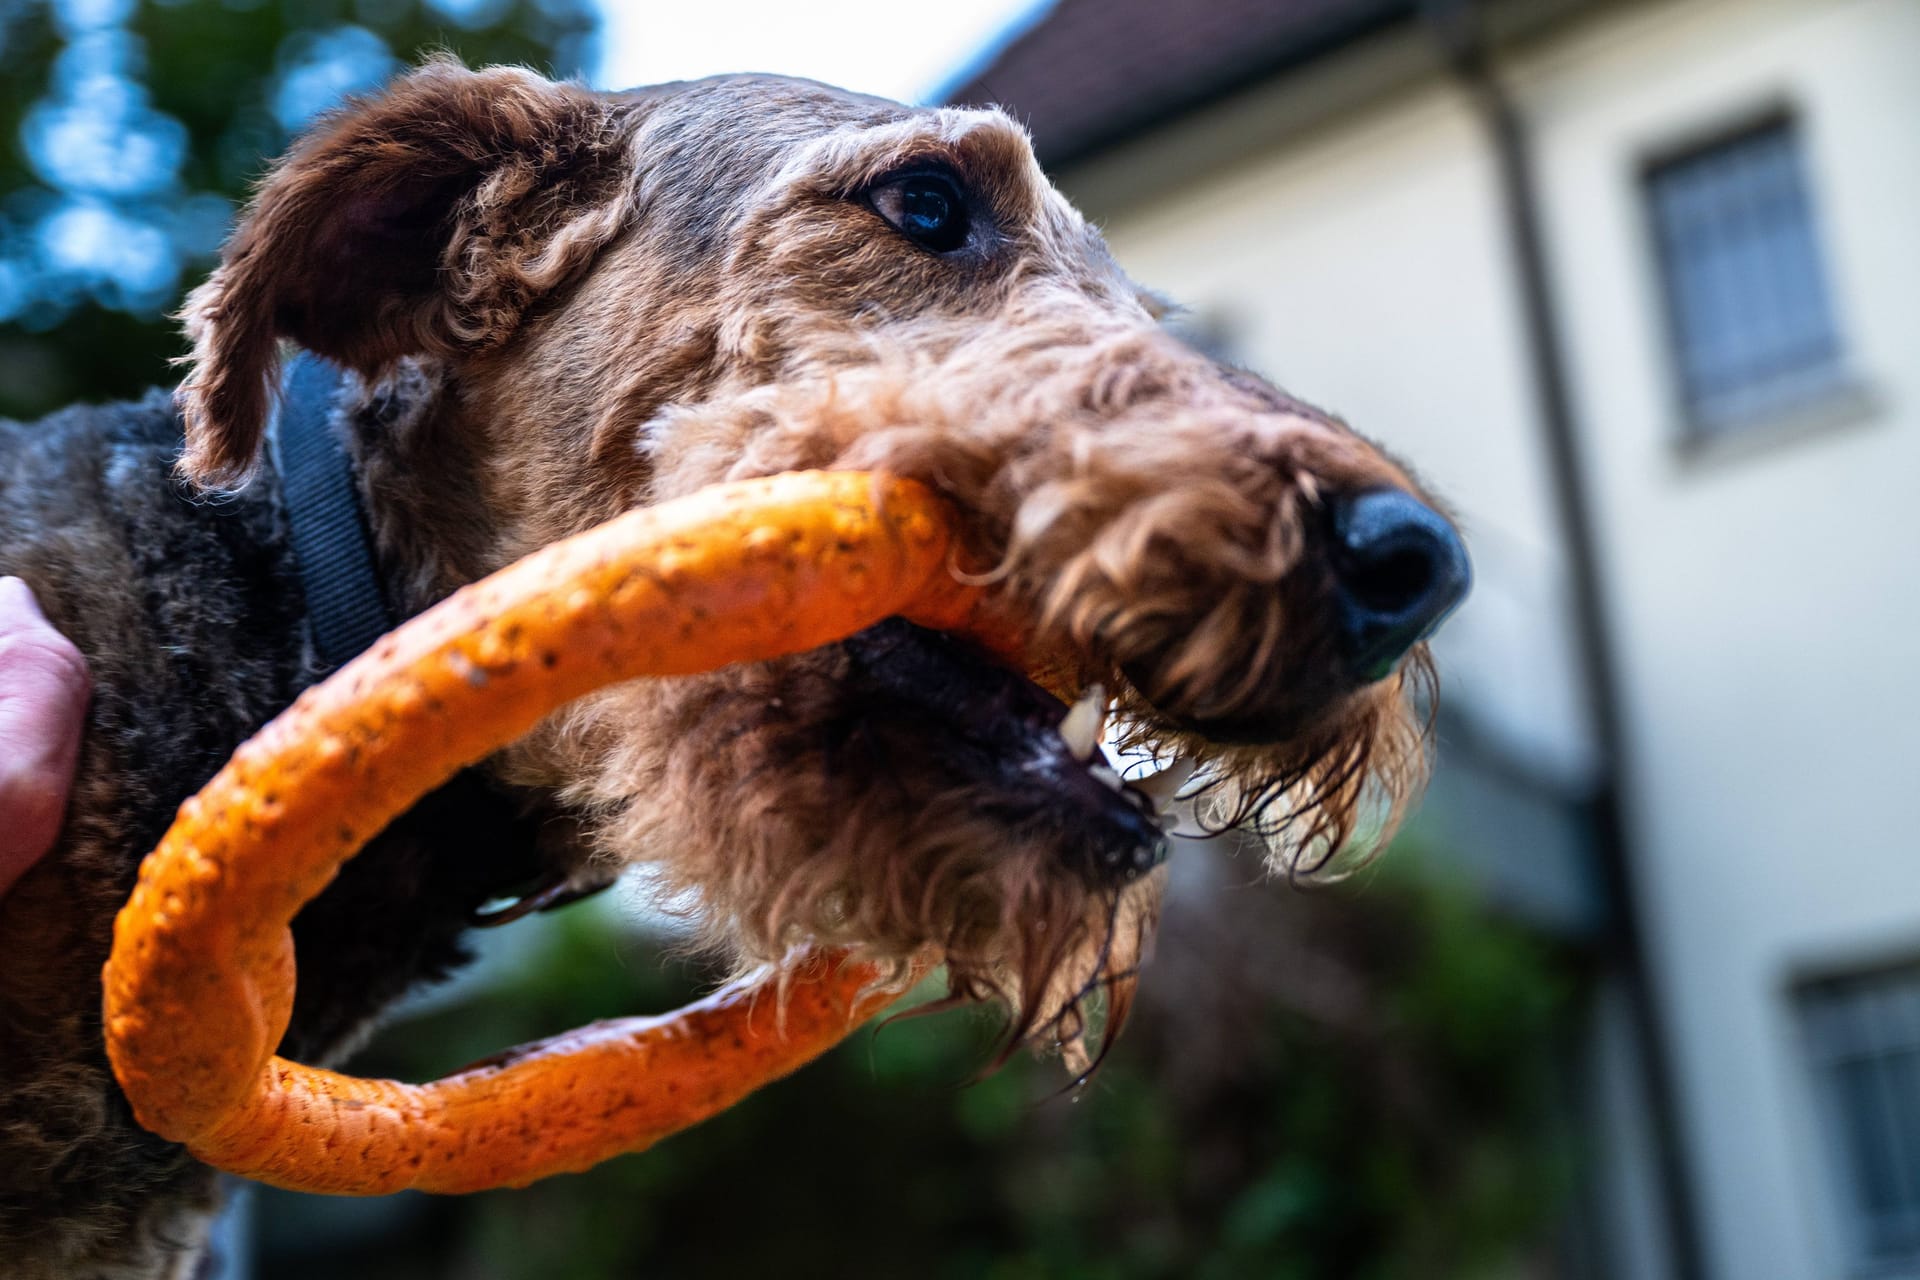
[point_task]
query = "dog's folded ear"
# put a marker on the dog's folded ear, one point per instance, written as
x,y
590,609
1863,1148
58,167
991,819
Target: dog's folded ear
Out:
x,y
422,220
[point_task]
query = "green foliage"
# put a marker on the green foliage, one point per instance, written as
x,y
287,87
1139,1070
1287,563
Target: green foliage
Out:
x,y
130,130
1416,1137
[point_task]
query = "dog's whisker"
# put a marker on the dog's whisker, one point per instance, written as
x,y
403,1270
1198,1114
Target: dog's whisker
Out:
x,y
1162,788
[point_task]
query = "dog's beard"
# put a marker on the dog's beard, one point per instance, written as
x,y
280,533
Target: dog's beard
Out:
x,y
899,794
906,796
1324,801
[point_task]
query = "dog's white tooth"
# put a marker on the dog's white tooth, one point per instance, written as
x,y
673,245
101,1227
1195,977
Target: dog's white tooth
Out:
x,y
1086,720
1160,788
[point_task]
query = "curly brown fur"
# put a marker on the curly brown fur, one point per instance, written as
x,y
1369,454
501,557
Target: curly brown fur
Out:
x,y
190,617
557,305
1155,524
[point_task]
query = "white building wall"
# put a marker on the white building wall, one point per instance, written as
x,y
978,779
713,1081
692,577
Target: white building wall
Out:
x,y
1765,596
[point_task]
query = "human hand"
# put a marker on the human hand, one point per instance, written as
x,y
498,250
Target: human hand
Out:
x,y
44,688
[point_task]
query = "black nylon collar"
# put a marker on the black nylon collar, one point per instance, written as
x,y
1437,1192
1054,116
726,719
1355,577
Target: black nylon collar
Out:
x,y
346,610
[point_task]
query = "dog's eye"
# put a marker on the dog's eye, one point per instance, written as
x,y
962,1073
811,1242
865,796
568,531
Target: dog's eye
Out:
x,y
928,208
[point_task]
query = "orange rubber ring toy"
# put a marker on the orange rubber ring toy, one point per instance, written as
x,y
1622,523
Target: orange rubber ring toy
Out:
x,y
199,986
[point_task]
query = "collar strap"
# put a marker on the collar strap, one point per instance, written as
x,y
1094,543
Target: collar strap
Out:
x,y
346,611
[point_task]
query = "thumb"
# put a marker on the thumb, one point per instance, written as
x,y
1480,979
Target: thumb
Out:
x,y
43,701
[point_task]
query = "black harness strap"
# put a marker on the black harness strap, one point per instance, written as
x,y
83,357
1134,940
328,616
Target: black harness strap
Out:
x,y
346,609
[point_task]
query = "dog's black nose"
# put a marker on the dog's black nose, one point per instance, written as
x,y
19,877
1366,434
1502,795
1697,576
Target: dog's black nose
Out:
x,y
1399,568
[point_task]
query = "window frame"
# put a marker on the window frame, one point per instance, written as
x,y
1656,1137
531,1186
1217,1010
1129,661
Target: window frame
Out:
x,y
1830,397
1824,998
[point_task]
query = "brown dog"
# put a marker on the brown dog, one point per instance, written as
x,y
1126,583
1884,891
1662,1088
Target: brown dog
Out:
x,y
560,305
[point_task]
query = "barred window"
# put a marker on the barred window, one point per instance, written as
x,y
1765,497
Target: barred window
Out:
x,y
1746,292
1863,1035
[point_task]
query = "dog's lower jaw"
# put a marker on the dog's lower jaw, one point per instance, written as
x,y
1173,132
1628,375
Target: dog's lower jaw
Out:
x,y
1004,736
851,796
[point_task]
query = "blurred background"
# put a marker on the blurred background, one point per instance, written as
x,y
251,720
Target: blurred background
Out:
x,y
1636,285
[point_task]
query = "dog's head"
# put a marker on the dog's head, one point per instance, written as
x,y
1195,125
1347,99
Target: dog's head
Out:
x,y
621,298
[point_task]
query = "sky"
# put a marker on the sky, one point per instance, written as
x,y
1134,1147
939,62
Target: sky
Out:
x,y
884,47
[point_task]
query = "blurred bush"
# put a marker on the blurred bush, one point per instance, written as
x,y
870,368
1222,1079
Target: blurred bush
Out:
x,y
131,129
1344,1083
